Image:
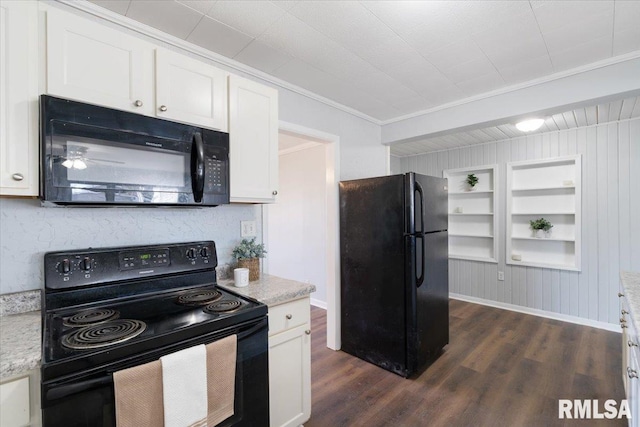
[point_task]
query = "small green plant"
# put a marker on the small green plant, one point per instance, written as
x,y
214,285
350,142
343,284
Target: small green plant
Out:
x,y
472,180
249,249
540,224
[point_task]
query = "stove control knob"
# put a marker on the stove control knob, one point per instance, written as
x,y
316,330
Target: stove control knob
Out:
x,y
205,252
85,264
64,266
191,253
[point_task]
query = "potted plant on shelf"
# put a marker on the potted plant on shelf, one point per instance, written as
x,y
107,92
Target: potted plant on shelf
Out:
x,y
471,181
540,225
248,254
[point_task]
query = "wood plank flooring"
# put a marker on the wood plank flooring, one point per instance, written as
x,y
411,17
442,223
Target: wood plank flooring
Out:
x,y
500,368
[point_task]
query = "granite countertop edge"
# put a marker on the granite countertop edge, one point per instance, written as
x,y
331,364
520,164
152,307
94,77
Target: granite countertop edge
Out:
x,y
631,288
271,290
20,344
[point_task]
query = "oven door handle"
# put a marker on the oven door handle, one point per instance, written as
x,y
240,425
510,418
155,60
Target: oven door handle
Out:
x,y
58,392
255,328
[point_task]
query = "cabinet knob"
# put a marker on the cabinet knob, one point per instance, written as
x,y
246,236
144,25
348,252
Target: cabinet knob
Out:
x,y
17,177
289,317
624,312
632,373
138,103
631,344
620,294
274,192
163,108
623,325
308,332
622,320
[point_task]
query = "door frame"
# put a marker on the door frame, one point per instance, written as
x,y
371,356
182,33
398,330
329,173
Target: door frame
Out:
x,y
332,161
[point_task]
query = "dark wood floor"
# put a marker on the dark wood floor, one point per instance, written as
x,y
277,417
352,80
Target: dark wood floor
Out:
x,y
500,368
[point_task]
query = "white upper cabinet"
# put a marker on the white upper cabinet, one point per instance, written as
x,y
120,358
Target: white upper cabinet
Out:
x,y
190,91
18,98
96,64
253,147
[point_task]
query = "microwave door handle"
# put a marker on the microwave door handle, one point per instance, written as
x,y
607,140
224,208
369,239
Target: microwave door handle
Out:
x,y
197,167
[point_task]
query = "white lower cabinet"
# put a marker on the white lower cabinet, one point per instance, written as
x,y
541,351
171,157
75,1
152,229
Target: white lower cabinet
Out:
x,y
630,358
290,363
20,401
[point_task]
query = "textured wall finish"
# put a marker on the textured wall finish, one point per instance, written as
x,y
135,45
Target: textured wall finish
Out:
x,y
610,230
28,230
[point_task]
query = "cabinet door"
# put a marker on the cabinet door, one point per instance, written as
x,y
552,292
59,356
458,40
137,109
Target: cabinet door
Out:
x,y
190,91
14,403
89,62
290,377
18,98
253,133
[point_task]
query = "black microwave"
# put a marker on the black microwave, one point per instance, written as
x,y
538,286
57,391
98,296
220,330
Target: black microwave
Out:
x,y
93,155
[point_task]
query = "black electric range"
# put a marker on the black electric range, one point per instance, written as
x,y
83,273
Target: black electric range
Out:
x,y
115,308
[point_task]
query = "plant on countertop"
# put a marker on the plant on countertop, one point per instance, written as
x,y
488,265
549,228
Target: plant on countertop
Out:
x,y
249,249
472,180
248,254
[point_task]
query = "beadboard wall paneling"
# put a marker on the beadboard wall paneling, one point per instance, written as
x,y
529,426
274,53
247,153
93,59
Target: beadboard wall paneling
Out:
x,y
610,229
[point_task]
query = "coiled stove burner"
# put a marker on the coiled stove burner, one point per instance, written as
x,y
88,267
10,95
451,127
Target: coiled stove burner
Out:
x,y
104,334
199,297
223,306
91,317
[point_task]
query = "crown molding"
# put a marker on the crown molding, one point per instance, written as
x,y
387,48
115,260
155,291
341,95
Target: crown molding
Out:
x,y
556,76
138,27
121,20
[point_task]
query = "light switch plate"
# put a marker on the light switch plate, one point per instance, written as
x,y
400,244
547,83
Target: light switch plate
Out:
x,y
247,229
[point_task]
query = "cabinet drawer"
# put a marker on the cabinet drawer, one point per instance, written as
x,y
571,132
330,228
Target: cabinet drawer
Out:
x,y
288,315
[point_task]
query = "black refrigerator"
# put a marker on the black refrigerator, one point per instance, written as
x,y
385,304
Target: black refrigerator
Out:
x,y
394,270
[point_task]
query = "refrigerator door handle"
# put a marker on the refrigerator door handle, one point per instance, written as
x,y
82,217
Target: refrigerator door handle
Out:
x,y
420,279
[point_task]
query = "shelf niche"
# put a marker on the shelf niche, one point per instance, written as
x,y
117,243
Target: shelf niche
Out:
x,y
550,189
472,214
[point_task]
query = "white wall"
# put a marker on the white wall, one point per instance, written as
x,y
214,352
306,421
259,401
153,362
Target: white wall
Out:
x,y
27,231
395,164
610,230
297,223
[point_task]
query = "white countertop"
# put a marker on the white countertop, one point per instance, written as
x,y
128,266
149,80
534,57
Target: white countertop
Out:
x,y
271,290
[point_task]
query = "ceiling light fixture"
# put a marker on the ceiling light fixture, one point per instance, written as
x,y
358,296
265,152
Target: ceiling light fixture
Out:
x,y
529,125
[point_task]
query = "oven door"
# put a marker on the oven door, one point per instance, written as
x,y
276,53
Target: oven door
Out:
x,y
87,400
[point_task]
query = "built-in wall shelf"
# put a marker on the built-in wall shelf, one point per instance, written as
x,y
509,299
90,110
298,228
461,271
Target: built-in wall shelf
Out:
x,y
488,236
472,218
468,193
550,189
470,213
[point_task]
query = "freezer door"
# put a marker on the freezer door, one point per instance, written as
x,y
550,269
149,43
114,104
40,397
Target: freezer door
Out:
x,y
372,270
435,206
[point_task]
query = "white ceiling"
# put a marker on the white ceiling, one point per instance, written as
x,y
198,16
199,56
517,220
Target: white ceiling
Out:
x,y
388,59
597,114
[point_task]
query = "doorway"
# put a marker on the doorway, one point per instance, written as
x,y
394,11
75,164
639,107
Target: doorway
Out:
x,y
301,228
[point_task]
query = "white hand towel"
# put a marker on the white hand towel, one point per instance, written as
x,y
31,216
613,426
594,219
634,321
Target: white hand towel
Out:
x,y
184,387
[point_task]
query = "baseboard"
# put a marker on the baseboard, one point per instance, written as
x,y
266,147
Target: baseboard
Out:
x,y
540,313
318,303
